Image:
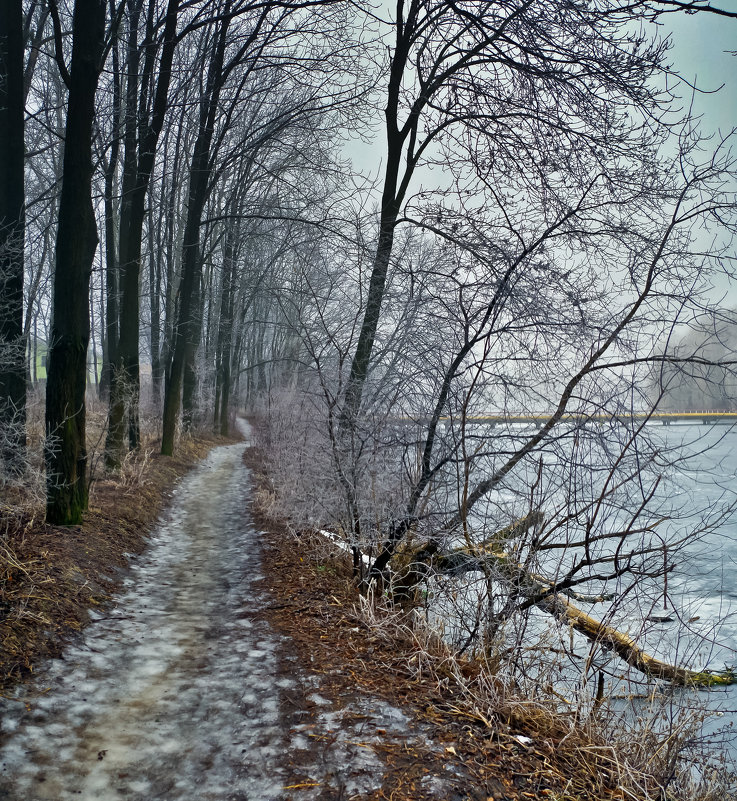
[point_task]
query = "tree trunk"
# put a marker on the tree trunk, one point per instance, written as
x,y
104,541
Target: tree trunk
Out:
x,y
186,331
140,150
76,241
393,192
12,230
93,339
362,357
628,650
489,554
225,334
154,275
189,378
124,376
112,315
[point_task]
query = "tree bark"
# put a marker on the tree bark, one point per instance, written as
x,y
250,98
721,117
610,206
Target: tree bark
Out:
x,y
628,650
225,334
154,275
12,231
112,315
76,241
140,151
362,357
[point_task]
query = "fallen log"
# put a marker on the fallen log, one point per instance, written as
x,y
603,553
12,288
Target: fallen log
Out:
x,y
546,596
628,650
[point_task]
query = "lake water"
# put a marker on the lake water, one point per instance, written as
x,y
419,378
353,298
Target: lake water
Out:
x,y
689,620
702,588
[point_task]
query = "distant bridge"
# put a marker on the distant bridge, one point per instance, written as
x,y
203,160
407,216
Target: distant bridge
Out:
x,y
697,417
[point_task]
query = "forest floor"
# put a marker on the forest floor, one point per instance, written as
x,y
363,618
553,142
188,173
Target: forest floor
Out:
x,y
358,723
50,576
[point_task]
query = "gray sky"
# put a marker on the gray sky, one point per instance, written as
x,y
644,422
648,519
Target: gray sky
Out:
x,y
699,54
699,45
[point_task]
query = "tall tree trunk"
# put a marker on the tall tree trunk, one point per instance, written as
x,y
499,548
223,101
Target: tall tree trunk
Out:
x,y
93,341
123,381
154,276
186,331
76,241
34,352
103,340
225,333
112,288
141,139
189,378
391,201
12,230
140,150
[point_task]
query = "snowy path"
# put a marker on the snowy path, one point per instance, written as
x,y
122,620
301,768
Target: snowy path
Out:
x,y
182,691
173,692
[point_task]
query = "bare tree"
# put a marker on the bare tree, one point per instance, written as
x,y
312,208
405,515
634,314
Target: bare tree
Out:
x,y
537,85
146,104
76,242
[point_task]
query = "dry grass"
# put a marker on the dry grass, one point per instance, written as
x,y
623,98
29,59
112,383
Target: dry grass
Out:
x,y
601,754
50,576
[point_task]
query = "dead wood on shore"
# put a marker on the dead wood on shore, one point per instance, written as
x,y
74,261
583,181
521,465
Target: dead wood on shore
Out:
x,y
489,556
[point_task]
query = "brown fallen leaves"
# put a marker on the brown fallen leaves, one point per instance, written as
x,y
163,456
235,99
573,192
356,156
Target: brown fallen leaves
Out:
x,y
50,576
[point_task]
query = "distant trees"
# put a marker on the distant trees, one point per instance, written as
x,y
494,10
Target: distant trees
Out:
x,y
697,372
260,107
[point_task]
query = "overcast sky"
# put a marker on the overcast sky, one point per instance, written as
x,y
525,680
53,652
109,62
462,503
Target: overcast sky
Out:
x,y
700,42
701,45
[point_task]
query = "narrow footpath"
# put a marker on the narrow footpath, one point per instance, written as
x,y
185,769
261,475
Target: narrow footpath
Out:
x,y
183,690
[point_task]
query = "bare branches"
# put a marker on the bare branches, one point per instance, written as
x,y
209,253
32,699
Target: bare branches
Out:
x,y
58,43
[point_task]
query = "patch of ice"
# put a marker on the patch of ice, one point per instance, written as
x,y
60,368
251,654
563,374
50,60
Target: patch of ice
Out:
x,y
318,700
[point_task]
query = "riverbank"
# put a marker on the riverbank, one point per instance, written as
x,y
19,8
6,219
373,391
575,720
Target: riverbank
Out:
x,y
508,749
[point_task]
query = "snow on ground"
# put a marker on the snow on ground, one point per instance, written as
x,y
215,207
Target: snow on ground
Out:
x,y
176,691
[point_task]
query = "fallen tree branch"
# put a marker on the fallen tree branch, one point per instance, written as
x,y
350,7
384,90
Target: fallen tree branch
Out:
x,y
551,599
626,648
544,594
